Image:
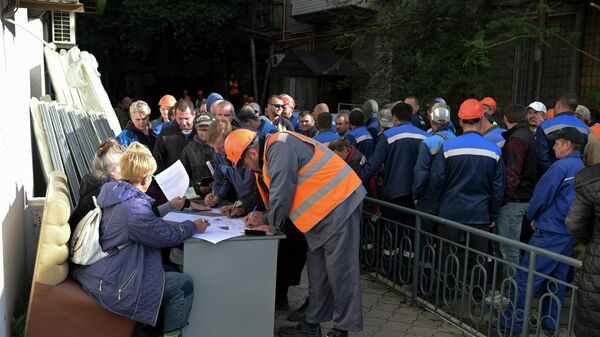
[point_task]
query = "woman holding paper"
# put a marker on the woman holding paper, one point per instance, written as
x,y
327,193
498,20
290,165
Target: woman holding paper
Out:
x,y
131,281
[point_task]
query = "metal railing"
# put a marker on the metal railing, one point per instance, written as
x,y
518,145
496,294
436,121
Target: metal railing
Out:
x,y
458,274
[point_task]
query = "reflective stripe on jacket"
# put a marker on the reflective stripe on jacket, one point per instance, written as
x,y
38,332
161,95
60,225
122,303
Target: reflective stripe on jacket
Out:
x,y
323,183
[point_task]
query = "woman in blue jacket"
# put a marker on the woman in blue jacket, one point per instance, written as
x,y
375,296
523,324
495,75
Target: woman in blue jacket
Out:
x,y
131,281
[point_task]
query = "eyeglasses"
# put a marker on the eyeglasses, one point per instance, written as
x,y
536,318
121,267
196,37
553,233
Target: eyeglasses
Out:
x,y
278,106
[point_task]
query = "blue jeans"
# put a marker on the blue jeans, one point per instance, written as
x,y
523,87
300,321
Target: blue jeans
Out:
x,y
177,300
509,223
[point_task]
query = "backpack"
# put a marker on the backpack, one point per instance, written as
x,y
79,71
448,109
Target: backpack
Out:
x,y
85,242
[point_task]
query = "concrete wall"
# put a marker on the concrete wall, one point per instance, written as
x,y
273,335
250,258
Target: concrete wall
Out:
x,y
20,58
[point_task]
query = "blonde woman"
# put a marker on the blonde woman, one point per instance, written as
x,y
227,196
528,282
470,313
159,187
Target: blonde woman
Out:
x,y
131,281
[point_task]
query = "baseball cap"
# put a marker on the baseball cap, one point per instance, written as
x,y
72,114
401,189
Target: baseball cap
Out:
x,y
538,106
583,111
568,133
440,113
203,118
255,106
385,118
246,114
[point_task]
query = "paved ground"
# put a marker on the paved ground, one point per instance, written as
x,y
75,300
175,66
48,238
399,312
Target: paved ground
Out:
x,y
386,314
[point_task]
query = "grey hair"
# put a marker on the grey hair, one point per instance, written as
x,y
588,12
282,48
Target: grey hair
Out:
x,y
106,158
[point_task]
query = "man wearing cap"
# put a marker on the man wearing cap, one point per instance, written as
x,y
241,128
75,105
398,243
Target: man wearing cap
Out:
x,y
138,129
384,119
249,119
520,176
467,177
325,135
195,155
325,205
583,114
165,103
564,117
397,149
548,210
536,112
489,127
425,200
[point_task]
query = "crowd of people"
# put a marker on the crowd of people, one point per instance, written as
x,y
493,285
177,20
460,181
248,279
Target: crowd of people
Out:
x,y
305,173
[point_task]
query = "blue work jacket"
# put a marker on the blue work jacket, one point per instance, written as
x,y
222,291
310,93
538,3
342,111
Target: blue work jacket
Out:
x,y
467,177
421,184
397,149
560,121
326,137
553,195
361,138
494,135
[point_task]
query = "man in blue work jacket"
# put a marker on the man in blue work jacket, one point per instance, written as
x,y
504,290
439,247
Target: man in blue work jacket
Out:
x,y
564,117
548,210
358,135
397,149
468,178
425,200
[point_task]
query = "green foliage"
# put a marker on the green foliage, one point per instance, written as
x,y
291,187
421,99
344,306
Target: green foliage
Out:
x,y
435,47
164,37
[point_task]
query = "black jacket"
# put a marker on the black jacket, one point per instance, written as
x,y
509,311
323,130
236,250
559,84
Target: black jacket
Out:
x,y
169,145
194,158
90,187
583,223
520,163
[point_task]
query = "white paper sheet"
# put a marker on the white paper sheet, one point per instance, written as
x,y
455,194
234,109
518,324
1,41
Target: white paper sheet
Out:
x,y
173,181
221,228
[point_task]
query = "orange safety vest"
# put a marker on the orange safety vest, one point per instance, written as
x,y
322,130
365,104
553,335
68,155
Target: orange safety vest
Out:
x,y
323,183
596,130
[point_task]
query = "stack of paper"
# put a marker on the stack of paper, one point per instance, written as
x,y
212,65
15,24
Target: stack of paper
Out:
x,y
221,228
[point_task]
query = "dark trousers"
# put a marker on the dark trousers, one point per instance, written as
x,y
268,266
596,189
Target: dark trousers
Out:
x,y
291,257
453,263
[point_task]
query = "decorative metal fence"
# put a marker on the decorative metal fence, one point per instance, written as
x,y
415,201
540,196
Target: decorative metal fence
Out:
x,y
456,272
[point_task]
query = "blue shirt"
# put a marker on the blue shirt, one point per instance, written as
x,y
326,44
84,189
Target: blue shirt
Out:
x,y
494,135
554,194
397,149
563,120
362,140
427,152
326,137
467,177
266,128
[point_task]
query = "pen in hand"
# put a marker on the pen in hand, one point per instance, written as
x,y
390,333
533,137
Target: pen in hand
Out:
x,y
250,217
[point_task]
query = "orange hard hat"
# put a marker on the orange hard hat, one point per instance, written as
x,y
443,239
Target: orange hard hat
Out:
x,y
489,101
236,143
470,109
167,100
549,114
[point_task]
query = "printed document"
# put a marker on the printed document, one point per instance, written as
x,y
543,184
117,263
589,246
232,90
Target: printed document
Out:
x,y
173,181
221,228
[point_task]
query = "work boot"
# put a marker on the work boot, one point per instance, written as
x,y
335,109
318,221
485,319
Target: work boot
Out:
x,y
299,314
337,333
301,329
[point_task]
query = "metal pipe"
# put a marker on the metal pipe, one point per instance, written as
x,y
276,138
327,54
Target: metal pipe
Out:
x,y
417,248
539,49
528,297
